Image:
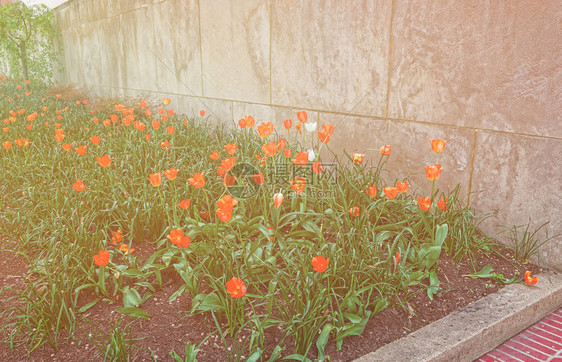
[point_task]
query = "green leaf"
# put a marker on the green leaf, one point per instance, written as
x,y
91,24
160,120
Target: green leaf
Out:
x,y
131,298
486,272
206,303
355,329
297,357
440,234
323,340
177,293
134,312
88,306
255,356
353,318
433,285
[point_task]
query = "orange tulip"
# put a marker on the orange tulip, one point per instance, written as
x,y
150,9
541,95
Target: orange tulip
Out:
x,y
278,200
397,258
171,174
142,104
95,140
402,186
202,112
230,148
166,101
281,143
320,264
106,122
425,203
258,178
247,121
227,202
269,149
198,180
288,153
214,155
125,249
288,123
302,117
229,180
184,204
390,192
354,211
81,150
371,191
116,237
6,129
226,165
66,146
298,184
433,172
170,112
170,130
148,113
385,150
530,280
147,137
29,127
301,158
155,179
139,125
442,204
177,238
224,215
265,129
357,157
59,137
155,124
236,288
438,145
104,161
317,167
298,127
102,258
327,131
165,145
79,185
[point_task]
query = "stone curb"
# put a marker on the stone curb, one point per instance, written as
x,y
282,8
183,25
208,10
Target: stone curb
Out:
x,y
481,326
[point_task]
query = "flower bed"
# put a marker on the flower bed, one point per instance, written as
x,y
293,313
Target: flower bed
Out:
x,y
254,232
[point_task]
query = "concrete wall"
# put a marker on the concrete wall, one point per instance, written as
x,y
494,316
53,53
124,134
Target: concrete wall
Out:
x,y
484,75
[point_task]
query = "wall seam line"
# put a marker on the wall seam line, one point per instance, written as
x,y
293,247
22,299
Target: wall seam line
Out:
x,y
200,45
270,78
351,115
472,166
389,59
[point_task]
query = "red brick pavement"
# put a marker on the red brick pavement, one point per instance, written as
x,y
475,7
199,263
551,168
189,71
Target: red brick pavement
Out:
x,y
540,342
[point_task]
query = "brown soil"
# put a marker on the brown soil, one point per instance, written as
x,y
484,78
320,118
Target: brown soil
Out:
x,y
170,328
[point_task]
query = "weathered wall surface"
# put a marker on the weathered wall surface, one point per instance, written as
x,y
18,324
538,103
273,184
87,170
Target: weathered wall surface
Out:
x,y
484,75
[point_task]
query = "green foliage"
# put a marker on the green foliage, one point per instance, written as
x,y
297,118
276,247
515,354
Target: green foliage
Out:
x,y
486,273
29,41
525,245
380,250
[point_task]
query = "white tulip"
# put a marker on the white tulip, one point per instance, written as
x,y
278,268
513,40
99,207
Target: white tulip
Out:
x,y
311,155
311,126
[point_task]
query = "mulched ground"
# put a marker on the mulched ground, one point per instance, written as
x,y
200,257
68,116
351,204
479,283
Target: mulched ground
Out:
x,y
170,327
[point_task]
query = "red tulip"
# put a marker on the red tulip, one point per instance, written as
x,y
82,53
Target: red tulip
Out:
x,y
320,264
425,203
236,288
102,258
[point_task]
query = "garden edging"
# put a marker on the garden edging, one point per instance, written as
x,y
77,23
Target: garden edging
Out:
x,y
471,331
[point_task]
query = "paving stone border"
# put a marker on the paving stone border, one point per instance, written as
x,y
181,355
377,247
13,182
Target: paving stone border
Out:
x,y
481,326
